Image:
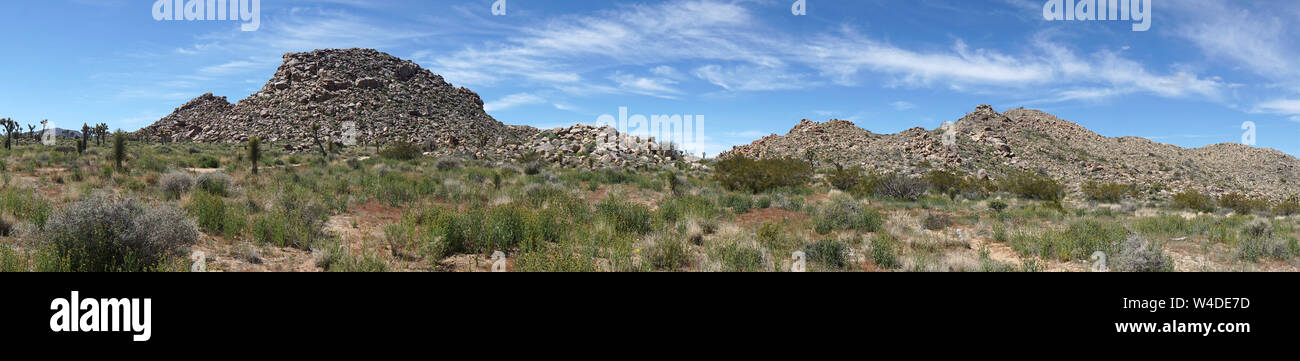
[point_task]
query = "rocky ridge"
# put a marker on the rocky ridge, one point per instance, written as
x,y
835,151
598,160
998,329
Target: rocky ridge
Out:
x,y
371,96
991,143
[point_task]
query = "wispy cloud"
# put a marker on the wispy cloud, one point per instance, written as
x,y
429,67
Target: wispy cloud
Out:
x,y
513,100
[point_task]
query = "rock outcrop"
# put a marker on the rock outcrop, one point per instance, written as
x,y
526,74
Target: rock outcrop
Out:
x,y
992,143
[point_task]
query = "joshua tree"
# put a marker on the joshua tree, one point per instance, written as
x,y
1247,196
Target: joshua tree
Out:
x,y
255,152
316,137
10,125
101,130
31,130
83,142
119,148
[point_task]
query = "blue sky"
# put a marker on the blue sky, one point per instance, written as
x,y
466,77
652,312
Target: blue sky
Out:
x,y
750,67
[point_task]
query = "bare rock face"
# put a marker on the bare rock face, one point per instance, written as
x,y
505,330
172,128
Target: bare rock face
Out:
x,y
387,99
992,143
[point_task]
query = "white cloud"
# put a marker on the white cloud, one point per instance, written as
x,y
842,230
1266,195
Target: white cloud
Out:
x,y
513,100
902,106
656,87
1280,106
751,78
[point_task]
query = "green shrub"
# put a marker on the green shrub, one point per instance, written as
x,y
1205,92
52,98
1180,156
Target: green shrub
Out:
x,y
100,234
625,216
447,164
998,205
1078,241
829,253
209,162
214,183
1193,200
846,179
845,213
294,221
1030,185
400,151
210,210
255,152
1288,207
1106,192
884,251
945,182
756,176
119,148
553,261
740,204
735,258
669,254
1242,204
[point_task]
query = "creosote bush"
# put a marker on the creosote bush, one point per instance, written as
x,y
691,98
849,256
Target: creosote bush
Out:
x,y
1193,200
1242,204
1136,254
756,176
1030,185
829,253
1106,192
401,151
215,183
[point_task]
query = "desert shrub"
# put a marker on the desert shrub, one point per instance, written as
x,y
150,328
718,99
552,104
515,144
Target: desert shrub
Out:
x,y
100,234
744,174
209,162
680,208
25,204
1078,241
1136,254
1193,200
175,184
209,210
505,227
998,205
845,213
400,151
447,164
1288,207
936,221
119,148
293,221
625,216
1242,204
1259,228
1253,249
736,258
884,251
829,253
945,182
669,254
553,261
846,179
1030,185
1164,225
214,183
897,186
1106,192
738,203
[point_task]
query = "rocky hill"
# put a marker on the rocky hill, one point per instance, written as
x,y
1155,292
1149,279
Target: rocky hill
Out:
x,y
991,143
384,99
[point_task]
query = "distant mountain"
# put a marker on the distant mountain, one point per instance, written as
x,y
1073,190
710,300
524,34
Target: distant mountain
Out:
x,y
991,143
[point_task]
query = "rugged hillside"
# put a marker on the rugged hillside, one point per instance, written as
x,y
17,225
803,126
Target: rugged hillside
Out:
x,y
386,99
991,143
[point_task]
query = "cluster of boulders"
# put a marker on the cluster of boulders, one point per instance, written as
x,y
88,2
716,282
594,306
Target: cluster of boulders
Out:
x,y
992,143
595,147
359,95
